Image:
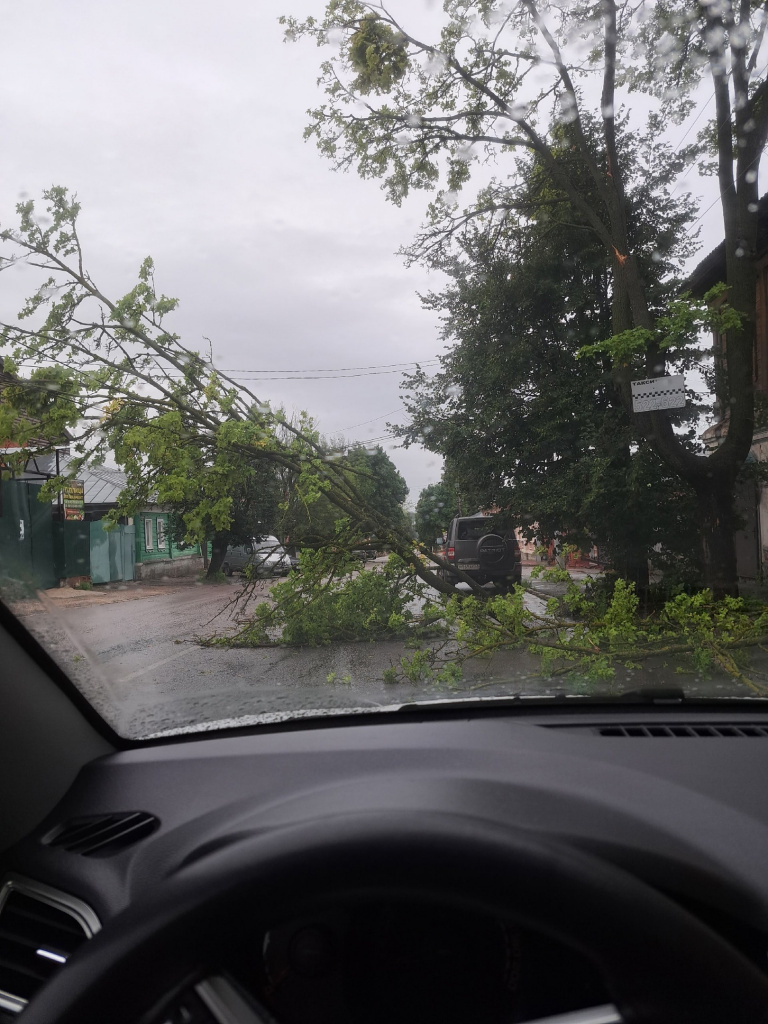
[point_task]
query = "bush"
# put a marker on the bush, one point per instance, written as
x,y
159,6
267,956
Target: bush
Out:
x,y
333,600
218,577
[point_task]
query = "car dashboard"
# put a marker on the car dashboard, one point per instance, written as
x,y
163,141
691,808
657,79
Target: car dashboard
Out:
x,y
675,797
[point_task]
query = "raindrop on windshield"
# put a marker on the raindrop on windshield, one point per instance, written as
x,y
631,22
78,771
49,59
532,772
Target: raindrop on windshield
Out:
x,y
518,111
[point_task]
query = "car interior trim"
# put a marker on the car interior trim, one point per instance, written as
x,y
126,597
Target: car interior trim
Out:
x,y
607,1014
227,1005
76,908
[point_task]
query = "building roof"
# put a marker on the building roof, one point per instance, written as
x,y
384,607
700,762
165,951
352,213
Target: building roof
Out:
x,y
711,270
102,483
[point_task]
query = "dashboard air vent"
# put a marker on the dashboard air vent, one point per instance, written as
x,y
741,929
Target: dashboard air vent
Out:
x,y
40,928
102,834
682,731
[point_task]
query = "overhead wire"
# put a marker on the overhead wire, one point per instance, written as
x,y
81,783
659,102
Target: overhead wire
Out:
x,y
682,178
340,369
298,376
374,419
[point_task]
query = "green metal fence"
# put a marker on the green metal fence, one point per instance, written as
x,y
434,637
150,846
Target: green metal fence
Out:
x,y
26,535
112,552
71,549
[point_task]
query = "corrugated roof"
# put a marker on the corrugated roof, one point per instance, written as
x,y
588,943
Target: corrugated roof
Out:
x,y
102,483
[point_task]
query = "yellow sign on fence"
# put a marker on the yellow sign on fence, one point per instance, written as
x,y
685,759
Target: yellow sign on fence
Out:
x,y
73,494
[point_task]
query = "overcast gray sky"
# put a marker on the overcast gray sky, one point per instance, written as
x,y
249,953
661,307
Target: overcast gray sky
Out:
x,y
179,125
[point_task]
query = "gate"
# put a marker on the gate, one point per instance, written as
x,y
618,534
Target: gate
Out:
x,y
113,552
26,534
71,549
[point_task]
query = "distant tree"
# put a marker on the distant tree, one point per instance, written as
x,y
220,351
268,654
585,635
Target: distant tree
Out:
x,y
307,516
525,421
378,481
309,519
434,510
36,411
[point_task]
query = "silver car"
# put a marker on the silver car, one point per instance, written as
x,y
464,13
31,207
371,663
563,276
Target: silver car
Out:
x,y
266,555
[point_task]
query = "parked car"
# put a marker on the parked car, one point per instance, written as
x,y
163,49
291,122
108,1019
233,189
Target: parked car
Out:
x,y
266,555
485,555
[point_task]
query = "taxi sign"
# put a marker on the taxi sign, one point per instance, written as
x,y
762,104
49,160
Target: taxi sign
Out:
x,y
658,393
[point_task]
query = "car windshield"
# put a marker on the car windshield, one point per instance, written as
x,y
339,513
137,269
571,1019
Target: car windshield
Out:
x,y
269,544
322,277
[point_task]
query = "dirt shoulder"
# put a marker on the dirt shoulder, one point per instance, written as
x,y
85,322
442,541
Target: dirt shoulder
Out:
x,y
109,593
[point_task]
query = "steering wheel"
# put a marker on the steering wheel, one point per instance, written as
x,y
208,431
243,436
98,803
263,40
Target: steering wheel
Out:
x,y
660,964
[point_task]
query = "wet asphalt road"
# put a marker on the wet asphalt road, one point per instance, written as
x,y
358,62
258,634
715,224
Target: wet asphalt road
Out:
x,y
138,663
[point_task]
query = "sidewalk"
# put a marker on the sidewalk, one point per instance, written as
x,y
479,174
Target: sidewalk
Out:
x,y
107,593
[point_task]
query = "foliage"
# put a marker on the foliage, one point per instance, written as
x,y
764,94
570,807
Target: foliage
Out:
x,y
377,54
526,414
330,599
187,435
501,84
585,633
434,510
36,411
206,480
308,517
377,481
587,637
677,331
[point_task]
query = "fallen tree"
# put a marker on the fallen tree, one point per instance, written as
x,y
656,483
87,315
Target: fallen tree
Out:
x,y
121,372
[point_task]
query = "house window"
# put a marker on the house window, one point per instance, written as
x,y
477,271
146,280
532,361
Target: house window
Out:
x,y
149,541
161,533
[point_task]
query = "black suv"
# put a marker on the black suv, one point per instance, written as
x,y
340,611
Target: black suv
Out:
x,y
481,553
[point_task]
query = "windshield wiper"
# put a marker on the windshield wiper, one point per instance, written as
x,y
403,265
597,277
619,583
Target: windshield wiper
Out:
x,y
646,695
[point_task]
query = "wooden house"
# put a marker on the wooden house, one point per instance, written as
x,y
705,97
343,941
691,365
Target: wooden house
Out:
x,y
751,496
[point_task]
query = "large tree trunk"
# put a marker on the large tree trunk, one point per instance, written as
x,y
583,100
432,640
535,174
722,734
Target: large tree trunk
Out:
x,y
717,525
711,476
634,569
629,546
218,551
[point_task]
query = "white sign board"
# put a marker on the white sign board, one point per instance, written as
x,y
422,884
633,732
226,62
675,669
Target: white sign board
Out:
x,y
658,393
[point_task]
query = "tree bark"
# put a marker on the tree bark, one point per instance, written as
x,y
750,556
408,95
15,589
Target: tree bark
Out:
x,y
717,525
218,551
634,569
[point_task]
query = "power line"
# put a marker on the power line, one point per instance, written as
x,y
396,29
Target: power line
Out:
x,y
682,140
693,122
375,418
298,376
341,369
339,374
717,199
372,440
